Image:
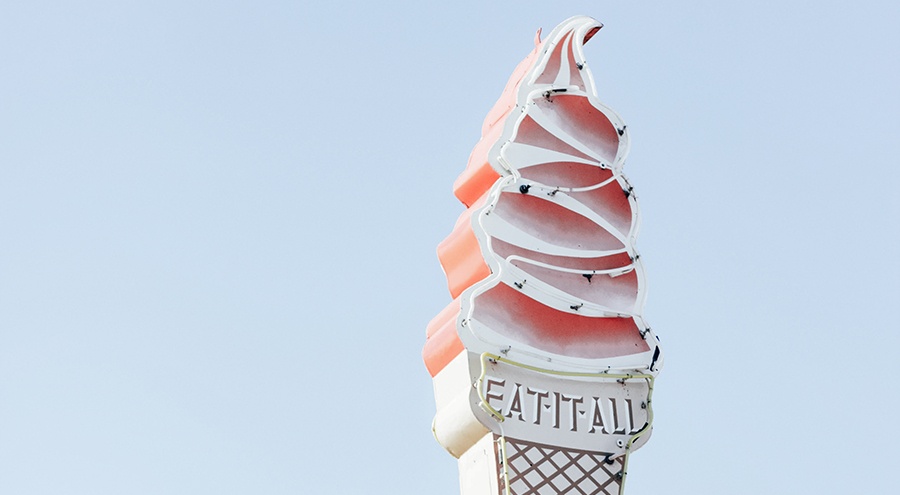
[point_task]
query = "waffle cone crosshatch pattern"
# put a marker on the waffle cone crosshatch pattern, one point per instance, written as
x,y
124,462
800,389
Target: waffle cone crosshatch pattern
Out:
x,y
535,469
542,363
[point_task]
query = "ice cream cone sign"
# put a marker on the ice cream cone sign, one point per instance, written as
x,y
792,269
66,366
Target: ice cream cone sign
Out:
x,y
542,364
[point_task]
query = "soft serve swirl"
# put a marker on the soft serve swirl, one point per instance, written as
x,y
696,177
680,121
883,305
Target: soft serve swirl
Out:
x,y
557,228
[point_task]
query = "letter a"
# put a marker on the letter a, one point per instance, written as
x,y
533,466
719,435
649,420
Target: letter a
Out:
x,y
515,403
597,417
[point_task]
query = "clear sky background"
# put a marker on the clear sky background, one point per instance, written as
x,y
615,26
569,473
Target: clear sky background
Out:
x,y
218,224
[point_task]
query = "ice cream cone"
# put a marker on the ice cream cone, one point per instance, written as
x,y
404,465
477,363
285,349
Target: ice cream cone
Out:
x,y
543,365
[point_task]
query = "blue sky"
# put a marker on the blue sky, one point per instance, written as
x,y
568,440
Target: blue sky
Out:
x,y
219,223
